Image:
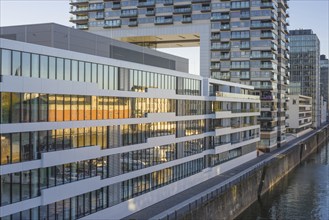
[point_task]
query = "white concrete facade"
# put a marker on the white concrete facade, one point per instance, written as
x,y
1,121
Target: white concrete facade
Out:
x,y
299,113
235,128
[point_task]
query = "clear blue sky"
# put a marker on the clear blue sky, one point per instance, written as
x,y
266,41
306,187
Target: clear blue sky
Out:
x,y
307,14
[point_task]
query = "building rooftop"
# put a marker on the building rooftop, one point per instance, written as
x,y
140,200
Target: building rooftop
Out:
x,y
301,32
62,37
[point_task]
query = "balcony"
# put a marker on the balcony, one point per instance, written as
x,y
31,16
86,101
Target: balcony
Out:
x,y
268,128
150,12
116,6
265,87
244,16
267,35
236,95
200,1
215,36
205,9
182,10
163,20
267,97
225,56
260,25
168,2
96,7
263,56
82,26
79,19
239,5
99,16
133,23
244,76
220,47
79,10
267,66
215,66
79,2
128,13
268,117
245,46
274,46
220,17
225,27
112,24
146,3
187,19
267,5
240,66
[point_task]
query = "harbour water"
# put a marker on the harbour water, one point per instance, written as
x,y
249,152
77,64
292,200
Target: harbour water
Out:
x,y
302,194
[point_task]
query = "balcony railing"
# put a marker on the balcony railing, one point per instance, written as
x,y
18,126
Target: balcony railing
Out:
x,y
82,26
146,3
182,10
79,1
267,5
236,95
78,18
262,25
163,21
220,17
186,19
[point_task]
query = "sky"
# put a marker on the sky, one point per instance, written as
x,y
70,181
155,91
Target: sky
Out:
x,y
306,14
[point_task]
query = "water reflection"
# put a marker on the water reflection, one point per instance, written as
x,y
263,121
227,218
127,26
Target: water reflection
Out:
x,y
303,194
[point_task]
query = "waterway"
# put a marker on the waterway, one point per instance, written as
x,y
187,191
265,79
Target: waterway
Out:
x,y
302,194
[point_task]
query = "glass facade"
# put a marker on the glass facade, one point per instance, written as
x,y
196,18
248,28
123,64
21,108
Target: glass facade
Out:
x,y
138,145
88,203
105,76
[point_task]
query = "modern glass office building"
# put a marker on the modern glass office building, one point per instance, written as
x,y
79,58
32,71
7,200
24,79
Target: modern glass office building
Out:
x,y
324,78
240,41
84,135
305,69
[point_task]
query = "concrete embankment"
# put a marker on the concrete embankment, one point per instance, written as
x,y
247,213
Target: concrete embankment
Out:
x,y
232,199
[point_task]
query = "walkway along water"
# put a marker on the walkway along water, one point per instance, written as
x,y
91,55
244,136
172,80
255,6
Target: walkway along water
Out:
x,y
227,195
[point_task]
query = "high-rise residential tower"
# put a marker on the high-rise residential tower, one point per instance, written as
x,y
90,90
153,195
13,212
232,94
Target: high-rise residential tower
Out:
x,y
324,78
305,68
240,41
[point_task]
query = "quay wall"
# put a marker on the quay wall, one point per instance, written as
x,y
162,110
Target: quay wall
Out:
x,y
232,199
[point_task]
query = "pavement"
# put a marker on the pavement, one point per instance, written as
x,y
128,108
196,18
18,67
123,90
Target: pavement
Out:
x,y
179,200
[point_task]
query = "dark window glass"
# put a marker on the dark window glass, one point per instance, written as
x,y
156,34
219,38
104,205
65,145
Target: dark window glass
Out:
x,y
25,104
52,68
15,107
81,71
44,67
88,72
15,144
60,68
35,66
26,193
5,62
16,67
6,188
34,107
26,64
26,148
5,148
43,107
67,73
5,107
74,73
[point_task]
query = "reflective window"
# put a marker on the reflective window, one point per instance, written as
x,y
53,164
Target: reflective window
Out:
x,y
5,62
26,64
16,64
